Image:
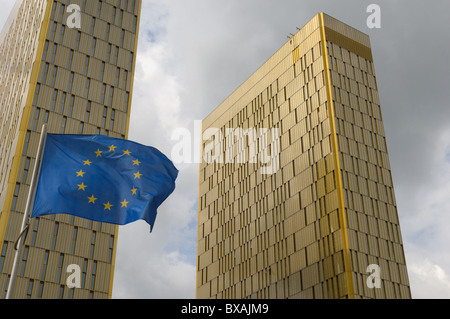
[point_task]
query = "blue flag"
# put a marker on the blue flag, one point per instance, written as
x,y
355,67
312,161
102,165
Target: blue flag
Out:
x,y
102,178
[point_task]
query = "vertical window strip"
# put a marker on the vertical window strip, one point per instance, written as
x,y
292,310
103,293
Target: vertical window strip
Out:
x,y
60,267
35,230
74,240
24,261
44,265
55,234
3,255
83,275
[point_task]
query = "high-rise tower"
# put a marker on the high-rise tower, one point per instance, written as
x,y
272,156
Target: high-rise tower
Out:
x,y
324,218
78,79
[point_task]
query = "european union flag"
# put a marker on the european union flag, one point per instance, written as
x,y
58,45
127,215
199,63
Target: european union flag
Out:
x,y
102,178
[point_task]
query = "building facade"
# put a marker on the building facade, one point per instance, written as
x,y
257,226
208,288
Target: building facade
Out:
x,y
69,64
324,222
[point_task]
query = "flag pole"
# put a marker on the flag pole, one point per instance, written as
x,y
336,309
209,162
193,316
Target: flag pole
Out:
x,y
26,217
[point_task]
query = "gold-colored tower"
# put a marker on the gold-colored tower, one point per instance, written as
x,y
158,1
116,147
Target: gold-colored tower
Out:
x,y
315,225
77,79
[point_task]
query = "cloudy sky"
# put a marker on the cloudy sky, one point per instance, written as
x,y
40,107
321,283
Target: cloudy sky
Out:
x,y
193,53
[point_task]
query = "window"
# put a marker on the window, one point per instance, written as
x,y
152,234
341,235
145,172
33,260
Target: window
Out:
x,y
44,55
77,43
63,102
83,275
25,145
111,94
36,94
105,112
86,65
122,38
116,55
55,95
111,247
71,82
30,288
53,32
91,251
3,254
72,102
125,79
134,24
36,118
24,261
61,34
94,274
55,72
99,9
52,58
120,18
131,61
94,44
103,94
70,59
108,29
15,197
113,114
61,12
108,53
63,128
25,170
102,71
41,289
44,265
127,100
88,111
55,231
92,26
60,267
86,91
35,229
52,15
116,82
44,75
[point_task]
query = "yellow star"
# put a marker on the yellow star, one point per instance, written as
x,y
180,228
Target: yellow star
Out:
x,y
87,162
136,162
82,186
134,190
112,148
92,199
127,152
124,203
108,206
99,153
80,173
137,175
